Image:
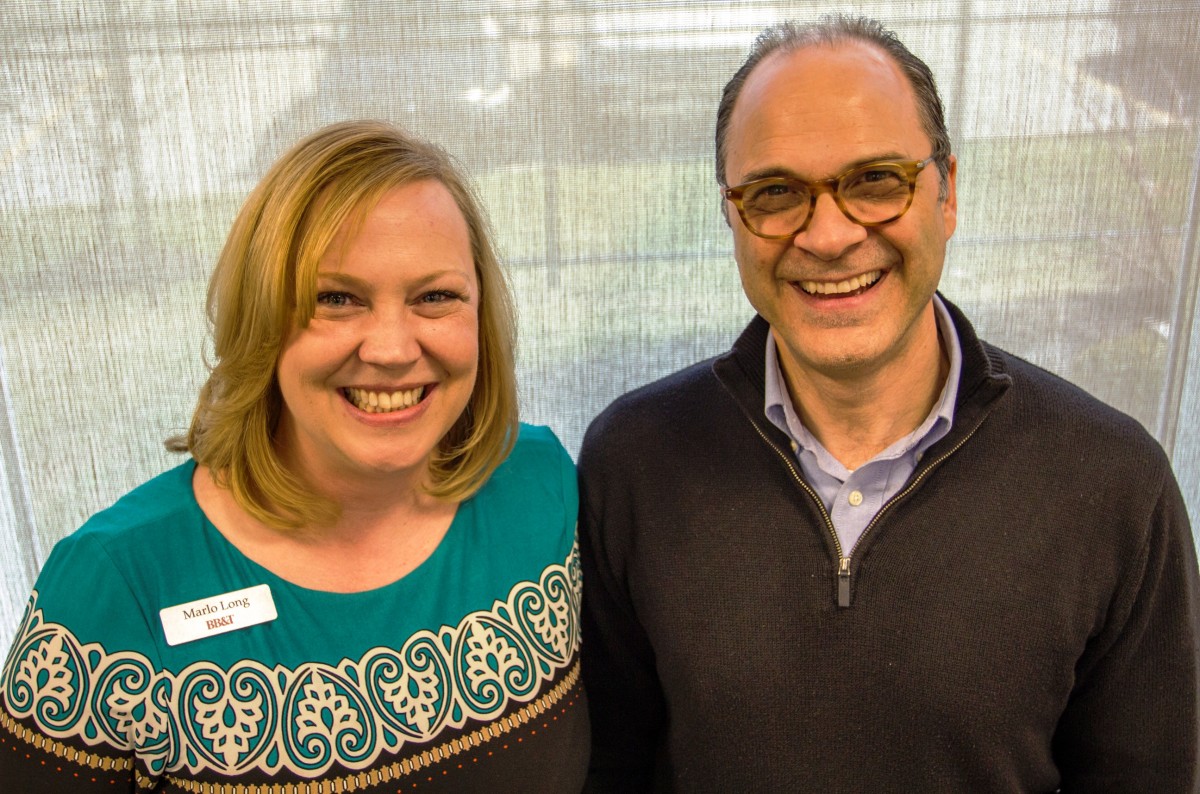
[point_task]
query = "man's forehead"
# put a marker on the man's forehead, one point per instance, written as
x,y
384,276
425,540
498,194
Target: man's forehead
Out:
x,y
816,68
847,100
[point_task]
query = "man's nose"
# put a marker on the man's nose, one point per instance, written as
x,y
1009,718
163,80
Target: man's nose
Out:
x,y
829,233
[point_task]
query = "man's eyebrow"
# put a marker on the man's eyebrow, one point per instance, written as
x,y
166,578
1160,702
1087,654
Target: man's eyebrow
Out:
x,y
769,171
766,172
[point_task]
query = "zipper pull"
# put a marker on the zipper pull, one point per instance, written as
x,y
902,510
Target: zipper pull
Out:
x,y
844,582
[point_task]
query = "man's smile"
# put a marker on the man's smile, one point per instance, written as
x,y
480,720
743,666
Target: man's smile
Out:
x,y
855,285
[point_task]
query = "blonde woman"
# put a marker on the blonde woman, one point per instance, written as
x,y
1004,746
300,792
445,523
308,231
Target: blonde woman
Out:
x,y
365,578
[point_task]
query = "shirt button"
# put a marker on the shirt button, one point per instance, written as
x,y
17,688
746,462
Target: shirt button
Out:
x,y
855,498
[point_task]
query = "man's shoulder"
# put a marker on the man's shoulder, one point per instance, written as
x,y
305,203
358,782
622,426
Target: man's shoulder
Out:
x,y
695,381
1022,400
1052,407
686,396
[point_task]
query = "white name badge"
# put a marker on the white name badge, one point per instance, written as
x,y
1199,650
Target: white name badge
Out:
x,y
218,614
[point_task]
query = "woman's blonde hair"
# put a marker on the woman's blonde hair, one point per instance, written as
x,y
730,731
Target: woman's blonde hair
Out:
x,y
265,282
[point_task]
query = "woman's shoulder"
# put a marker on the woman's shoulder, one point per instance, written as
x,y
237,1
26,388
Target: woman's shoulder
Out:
x,y
144,531
166,498
98,584
537,445
537,456
534,489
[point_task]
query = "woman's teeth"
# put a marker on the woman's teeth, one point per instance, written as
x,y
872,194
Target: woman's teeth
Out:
x,y
841,287
382,402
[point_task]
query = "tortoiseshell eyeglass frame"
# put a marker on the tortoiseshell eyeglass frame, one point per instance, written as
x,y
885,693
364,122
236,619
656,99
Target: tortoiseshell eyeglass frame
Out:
x,y
911,169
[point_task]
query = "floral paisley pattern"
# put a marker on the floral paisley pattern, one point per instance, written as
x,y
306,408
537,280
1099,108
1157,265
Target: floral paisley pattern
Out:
x,y
254,718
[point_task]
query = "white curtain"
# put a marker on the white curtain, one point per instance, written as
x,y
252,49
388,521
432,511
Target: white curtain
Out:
x,y
130,131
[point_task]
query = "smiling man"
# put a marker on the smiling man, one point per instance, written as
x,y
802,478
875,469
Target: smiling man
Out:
x,y
864,550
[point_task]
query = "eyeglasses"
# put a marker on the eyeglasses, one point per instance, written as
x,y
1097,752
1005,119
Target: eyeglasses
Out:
x,y
870,195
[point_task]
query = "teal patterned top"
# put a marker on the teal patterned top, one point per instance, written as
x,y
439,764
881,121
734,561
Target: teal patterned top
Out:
x,y
462,675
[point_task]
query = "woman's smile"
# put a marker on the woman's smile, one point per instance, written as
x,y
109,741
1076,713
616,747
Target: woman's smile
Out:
x,y
380,401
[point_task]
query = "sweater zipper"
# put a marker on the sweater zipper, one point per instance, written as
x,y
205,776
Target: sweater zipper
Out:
x,y
843,571
843,560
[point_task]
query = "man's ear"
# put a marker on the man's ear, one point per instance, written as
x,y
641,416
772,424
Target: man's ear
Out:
x,y
950,202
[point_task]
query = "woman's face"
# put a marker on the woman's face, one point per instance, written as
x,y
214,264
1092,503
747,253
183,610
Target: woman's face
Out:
x,y
388,362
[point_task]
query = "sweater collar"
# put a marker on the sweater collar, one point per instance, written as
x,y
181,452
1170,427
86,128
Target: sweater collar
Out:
x,y
984,379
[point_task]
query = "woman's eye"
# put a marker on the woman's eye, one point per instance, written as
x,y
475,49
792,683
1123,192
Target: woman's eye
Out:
x,y
440,296
334,299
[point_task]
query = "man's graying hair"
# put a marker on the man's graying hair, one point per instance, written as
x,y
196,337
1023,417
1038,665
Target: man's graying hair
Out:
x,y
831,30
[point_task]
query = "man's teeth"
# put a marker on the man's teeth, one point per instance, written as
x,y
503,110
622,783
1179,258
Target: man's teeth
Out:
x,y
841,287
382,402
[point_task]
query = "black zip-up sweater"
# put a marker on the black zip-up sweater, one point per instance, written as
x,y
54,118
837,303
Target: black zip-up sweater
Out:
x,y
1022,617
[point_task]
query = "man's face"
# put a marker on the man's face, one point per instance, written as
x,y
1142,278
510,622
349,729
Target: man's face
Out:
x,y
843,300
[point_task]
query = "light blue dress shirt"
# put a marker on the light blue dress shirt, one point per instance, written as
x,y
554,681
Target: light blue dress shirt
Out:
x,y
854,497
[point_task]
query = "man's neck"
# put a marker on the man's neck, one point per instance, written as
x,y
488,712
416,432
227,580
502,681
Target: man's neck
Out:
x,y
858,414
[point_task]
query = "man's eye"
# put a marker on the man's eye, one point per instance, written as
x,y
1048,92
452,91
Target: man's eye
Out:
x,y
878,176
773,197
774,191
